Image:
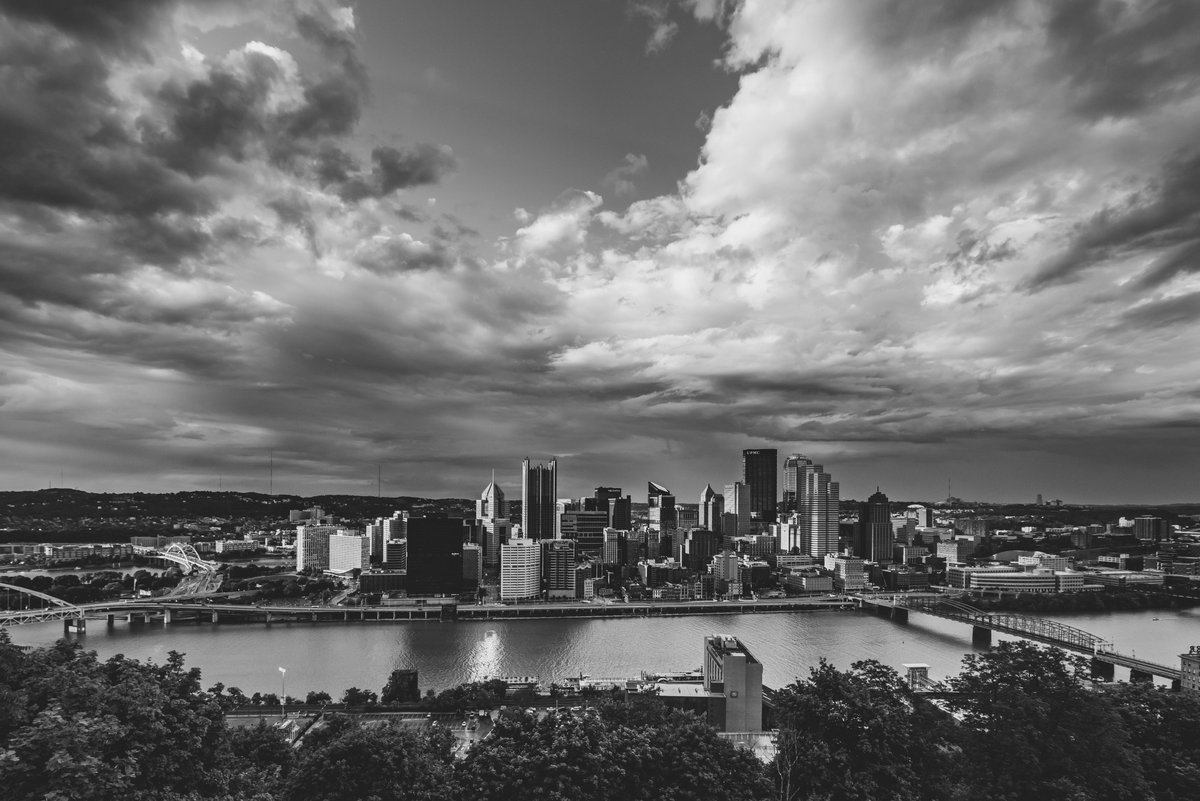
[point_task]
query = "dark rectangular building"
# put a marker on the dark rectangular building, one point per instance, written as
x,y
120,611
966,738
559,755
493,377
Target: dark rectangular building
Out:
x,y
435,559
760,472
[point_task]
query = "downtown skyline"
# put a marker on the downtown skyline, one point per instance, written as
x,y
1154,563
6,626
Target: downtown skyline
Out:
x,y
916,242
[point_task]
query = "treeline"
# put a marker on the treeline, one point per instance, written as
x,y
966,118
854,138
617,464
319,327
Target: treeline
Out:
x,y
1024,724
1110,601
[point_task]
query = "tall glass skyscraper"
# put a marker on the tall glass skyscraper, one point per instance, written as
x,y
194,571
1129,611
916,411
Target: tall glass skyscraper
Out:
x,y
760,472
875,533
791,480
539,499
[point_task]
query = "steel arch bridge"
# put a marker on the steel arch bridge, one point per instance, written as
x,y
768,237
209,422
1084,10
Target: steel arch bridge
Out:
x,y
1034,628
186,556
58,610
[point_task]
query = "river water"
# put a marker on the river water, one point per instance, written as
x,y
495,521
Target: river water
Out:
x,y
334,656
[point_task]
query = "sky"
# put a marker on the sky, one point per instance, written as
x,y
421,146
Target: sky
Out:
x,y
938,247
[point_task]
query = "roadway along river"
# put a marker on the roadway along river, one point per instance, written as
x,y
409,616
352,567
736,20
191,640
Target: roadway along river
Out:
x,y
334,656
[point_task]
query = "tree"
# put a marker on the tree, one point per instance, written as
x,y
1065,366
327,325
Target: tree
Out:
x,y
313,698
401,688
850,735
377,763
356,697
1028,707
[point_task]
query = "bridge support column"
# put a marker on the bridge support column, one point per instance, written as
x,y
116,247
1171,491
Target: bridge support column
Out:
x,y
268,618
76,624
1176,685
112,621
166,616
981,636
216,616
1140,676
1103,671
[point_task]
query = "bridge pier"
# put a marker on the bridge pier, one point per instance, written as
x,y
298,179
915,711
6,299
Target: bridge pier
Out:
x,y
1104,671
1140,676
216,616
166,617
981,636
77,625
112,621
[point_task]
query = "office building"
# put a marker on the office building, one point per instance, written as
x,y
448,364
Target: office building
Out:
x,y
619,507
817,496
435,556
349,551
791,481
472,560
712,509
1151,529
1189,670
395,555
660,504
586,528
539,500
956,551
558,568
920,513
698,548
760,474
731,671
875,535
521,570
312,546
847,573
491,510
736,520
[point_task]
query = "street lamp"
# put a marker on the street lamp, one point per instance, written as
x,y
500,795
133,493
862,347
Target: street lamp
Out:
x,y
283,691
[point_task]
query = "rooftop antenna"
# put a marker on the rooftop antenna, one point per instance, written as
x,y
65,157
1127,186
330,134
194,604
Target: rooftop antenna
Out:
x,y
272,484
378,481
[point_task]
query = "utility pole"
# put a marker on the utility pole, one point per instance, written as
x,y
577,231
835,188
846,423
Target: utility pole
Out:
x,y
272,479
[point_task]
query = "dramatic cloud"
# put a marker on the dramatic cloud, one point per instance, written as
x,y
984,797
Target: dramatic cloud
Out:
x,y
921,240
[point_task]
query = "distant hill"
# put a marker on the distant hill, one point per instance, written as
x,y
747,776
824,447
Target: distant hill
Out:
x,y
76,505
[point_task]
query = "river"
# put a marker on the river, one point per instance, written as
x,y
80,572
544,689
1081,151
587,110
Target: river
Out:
x,y
334,656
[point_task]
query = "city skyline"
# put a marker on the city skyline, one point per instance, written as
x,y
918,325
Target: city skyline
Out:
x,y
390,246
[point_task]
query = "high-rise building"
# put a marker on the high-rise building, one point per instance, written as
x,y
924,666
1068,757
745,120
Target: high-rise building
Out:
x,y
791,481
875,535
737,510
661,506
698,548
472,567
712,508
395,555
435,556
312,546
558,567
619,507
349,550
539,500
491,503
760,468
817,496
687,515
520,570
586,529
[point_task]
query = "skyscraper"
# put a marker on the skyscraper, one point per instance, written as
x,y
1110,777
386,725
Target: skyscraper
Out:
x,y
520,570
737,510
539,500
875,535
712,508
491,510
791,481
435,560
817,496
661,503
760,474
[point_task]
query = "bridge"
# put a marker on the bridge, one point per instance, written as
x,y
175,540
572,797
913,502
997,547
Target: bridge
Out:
x,y
1049,632
200,575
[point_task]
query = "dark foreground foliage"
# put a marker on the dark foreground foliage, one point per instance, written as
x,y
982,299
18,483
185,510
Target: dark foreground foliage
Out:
x,y
1023,725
